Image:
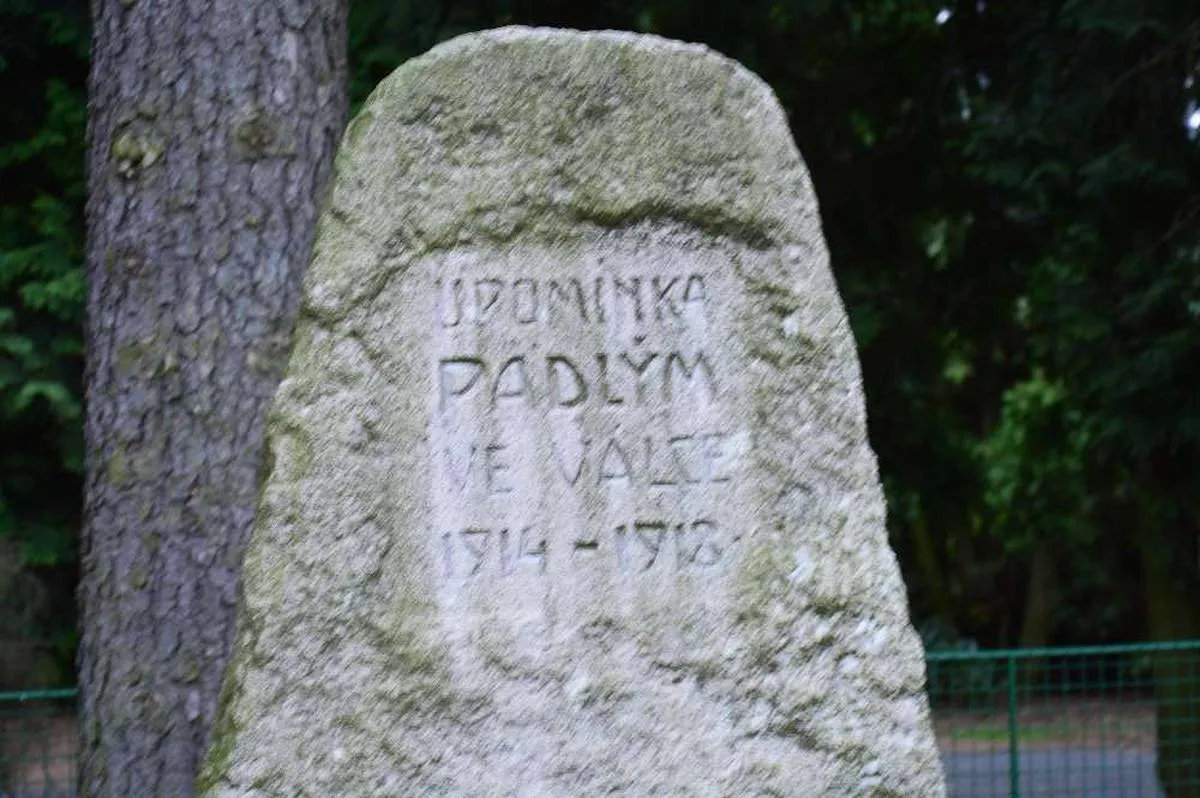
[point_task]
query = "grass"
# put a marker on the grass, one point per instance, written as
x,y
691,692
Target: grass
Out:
x,y
1077,723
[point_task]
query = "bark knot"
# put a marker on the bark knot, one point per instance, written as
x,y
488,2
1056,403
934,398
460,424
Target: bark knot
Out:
x,y
133,153
258,136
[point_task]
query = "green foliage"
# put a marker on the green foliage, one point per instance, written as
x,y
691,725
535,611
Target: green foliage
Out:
x,y
43,50
384,34
1033,467
1080,136
1009,193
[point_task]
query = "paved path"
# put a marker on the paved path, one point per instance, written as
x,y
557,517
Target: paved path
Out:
x,y
1054,773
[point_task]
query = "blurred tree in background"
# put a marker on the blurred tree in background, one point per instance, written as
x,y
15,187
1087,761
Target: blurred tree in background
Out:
x,y
43,69
1010,194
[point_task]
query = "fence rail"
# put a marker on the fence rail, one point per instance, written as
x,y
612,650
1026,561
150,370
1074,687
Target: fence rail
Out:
x,y
1107,721
1119,721
38,744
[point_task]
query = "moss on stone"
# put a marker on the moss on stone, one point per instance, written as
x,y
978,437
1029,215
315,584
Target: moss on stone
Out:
x,y
223,738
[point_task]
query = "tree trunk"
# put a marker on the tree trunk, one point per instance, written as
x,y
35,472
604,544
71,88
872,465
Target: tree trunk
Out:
x,y
1037,621
1171,608
932,575
212,133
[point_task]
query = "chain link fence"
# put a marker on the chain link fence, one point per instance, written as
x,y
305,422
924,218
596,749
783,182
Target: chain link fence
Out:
x,y
1112,721
38,744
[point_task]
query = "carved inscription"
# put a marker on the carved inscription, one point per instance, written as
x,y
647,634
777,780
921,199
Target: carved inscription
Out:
x,y
559,381
526,301
658,461
631,349
694,546
634,547
481,550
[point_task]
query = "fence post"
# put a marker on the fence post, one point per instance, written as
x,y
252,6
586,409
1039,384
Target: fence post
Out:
x,y
1014,751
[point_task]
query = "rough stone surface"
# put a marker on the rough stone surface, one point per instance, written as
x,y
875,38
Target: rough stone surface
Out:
x,y
571,492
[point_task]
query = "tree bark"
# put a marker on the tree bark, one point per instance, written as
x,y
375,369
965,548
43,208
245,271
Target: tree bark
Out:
x,y
212,130
1168,533
1037,620
1171,609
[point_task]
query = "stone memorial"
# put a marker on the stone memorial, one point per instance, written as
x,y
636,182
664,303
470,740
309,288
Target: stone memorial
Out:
x,y
569,491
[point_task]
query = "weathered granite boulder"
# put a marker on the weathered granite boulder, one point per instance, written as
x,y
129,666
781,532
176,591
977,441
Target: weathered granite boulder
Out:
x,y
570,489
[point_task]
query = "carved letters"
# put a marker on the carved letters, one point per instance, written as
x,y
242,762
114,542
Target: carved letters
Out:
x,y
635,547
492,466
526,301
558,381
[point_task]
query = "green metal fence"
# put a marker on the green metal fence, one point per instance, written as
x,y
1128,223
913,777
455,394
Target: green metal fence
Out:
x,y
1113,722
38,744
1119,721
